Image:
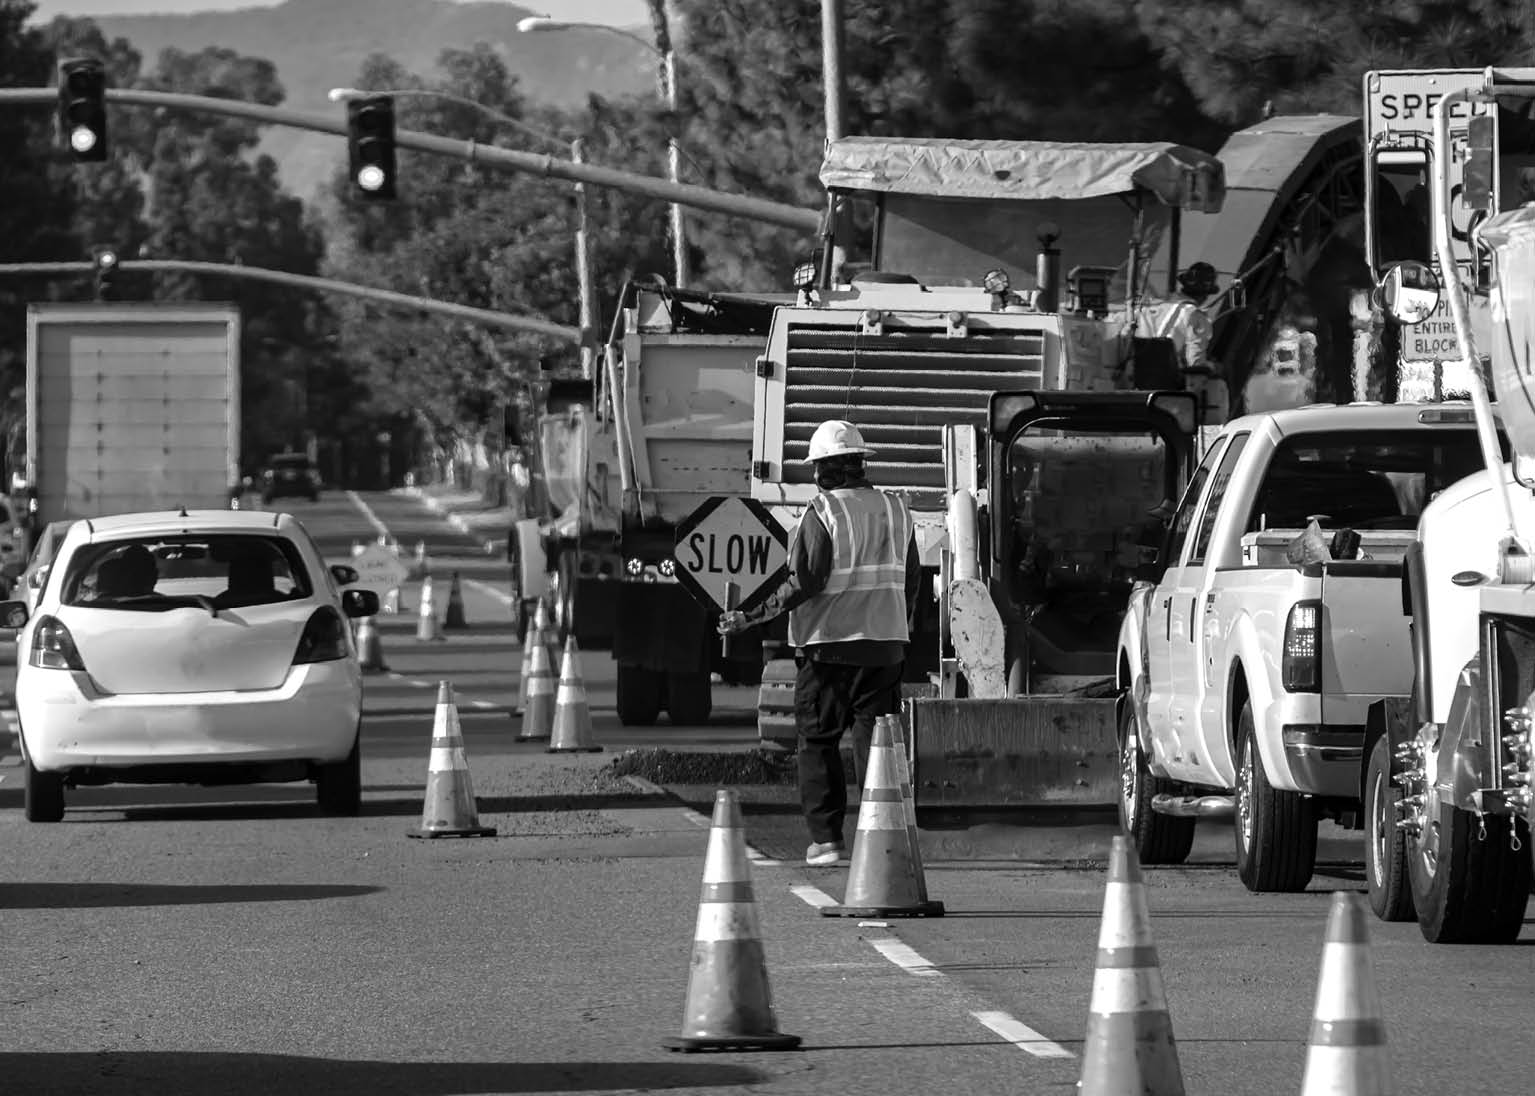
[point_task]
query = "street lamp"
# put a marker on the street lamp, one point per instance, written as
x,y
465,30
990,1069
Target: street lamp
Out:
x,y
536,23
577,149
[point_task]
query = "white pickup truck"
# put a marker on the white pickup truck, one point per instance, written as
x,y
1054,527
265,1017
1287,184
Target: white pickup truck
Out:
x,y
1252,649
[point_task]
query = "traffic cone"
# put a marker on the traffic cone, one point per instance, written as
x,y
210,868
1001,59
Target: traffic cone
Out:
x,y
427,627
356,547
455,616
885,877
729,1004
572,717
1129,1045
391,600
903,772
449,810
1347,1054
538,698
370,648
532,637
421,553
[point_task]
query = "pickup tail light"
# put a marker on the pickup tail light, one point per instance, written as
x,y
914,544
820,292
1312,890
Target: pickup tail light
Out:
x,y
53,648
324,638
1300,664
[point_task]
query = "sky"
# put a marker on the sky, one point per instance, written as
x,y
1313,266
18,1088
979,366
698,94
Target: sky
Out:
x,y
615,12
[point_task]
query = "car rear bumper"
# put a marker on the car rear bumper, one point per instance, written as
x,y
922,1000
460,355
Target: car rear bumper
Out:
x,y
67,723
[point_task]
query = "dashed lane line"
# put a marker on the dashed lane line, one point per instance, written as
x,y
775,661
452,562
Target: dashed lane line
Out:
x,y
754,854
1021,1035
813,896
490,591
368,515
905,957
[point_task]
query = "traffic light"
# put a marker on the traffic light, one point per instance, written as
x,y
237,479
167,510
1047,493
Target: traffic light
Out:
x,y
83,109
105,261
370,146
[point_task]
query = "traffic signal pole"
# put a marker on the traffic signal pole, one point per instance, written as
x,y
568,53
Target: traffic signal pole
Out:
x,y
505,159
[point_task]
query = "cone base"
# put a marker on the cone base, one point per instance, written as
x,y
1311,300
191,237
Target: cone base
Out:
x,y
380,668
921,909
689,1044
532,738
574,749
471,831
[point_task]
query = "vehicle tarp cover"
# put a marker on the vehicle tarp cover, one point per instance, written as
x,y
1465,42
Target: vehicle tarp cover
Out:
x,y
1025,170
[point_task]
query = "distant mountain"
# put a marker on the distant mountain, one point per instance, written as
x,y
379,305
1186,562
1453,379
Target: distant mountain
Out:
x,y
320,44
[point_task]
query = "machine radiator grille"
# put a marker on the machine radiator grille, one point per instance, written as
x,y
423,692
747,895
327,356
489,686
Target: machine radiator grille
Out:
x,y
901,388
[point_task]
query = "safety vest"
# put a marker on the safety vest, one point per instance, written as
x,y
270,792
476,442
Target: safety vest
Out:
x,y
865,595
1185,323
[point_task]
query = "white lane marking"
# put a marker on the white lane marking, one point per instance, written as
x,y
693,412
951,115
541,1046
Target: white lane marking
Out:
x,y
907,959
490,591
1022,1036
368,515
813,896
482,704
697,819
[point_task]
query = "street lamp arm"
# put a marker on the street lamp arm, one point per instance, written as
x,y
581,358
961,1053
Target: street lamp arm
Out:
x,y
534,23
340,95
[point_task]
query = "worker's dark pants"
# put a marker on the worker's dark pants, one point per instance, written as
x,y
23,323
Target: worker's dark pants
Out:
x,y
830,698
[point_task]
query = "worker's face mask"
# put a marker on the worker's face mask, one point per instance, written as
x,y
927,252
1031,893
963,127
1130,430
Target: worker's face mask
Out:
x,y
832,474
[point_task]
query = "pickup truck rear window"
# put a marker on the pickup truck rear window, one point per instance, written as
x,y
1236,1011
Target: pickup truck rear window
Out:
x,y
1362,479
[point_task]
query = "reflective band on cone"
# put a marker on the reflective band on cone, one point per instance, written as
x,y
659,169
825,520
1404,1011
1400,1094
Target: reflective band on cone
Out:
x,y
885,877
1129,1045
572,731
449,809
538,698
729,1003
1347,1052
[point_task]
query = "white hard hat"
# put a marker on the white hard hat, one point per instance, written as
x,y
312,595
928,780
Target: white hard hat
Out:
x,y
835,438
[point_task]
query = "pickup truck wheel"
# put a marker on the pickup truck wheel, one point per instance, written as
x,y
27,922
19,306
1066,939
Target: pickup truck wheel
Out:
x,y
1159,838
1469,887
1385,844
43,796
1275,830
639,695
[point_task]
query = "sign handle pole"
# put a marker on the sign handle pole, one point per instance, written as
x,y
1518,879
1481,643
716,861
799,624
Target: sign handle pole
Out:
x,y
732,599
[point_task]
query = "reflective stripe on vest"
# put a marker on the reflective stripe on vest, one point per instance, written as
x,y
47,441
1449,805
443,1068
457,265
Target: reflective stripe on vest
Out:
x,y
865,594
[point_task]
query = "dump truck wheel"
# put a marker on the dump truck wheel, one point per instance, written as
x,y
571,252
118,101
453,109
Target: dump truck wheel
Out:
x,y
1159,838
689,698
639,695
1275,830
1385,845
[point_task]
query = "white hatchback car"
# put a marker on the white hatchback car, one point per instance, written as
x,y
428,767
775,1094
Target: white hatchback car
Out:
x,y
202,647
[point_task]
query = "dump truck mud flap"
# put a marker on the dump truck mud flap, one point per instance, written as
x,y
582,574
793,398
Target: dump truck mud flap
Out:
x,y
1017,753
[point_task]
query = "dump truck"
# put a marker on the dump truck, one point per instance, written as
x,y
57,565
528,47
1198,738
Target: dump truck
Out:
x,y
1001,291
130,407
1448,780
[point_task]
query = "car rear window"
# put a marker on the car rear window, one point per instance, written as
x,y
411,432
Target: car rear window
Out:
x,y
153,574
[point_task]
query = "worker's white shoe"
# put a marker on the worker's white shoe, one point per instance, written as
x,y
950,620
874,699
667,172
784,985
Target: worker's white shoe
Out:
x,y
824,854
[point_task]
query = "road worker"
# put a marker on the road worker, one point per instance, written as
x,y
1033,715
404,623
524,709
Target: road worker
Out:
x,y
1184,320
850,595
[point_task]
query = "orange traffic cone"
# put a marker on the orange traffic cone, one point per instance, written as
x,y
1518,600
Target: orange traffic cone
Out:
x,y
533,637
370,649
572,716
427,627
538,698
1347,1055
455,615
449,810
885,876
729,1005
1129,1045
903,771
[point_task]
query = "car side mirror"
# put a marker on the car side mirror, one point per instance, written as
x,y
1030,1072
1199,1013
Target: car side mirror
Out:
x,y
13,614
343,573
359,603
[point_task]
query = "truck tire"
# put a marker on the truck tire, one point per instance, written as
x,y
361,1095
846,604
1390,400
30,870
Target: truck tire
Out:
x,y
1275,830
1469,888
1159,838
43,796
522,608
689,698
338,785
639,695
775,703
1385,844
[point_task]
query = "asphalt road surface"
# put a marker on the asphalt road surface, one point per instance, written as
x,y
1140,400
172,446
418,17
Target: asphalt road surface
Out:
x,y
169,940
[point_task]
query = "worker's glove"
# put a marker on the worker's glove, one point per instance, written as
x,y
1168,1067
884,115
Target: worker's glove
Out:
x,y
733,621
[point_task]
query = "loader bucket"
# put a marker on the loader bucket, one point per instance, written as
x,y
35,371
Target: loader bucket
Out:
x,y
1019,753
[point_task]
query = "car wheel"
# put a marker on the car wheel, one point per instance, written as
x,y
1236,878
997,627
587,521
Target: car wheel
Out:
x,y
43,795
1275,830
1159,838
338,785
1385,843
639,695
689,698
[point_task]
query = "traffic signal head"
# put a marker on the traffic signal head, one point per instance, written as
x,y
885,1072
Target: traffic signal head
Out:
x,y
370,146
105,261
83,109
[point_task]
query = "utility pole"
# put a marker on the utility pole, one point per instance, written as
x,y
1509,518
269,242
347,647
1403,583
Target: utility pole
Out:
x,y
584,270
659,21
831,66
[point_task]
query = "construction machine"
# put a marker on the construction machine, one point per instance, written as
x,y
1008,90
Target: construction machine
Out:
x,y
1448,783
986,346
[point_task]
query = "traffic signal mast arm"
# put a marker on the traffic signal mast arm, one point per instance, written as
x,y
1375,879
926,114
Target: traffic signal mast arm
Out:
x,y
696,197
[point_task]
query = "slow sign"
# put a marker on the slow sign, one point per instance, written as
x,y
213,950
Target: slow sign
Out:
x,y
731,541
378,569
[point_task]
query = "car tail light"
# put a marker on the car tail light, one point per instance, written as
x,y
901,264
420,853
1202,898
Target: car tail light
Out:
x,y
324,638
1300,664
53,648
